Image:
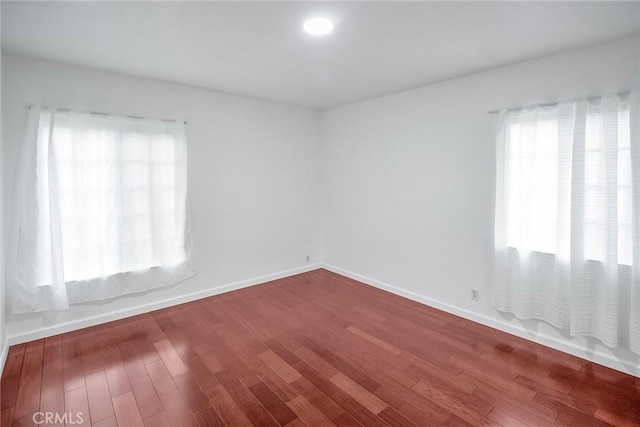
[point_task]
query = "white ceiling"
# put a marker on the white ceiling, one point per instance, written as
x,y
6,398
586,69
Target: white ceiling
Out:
x,y
259,49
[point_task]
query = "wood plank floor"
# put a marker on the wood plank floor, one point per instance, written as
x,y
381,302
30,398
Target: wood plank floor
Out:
x,y
314,349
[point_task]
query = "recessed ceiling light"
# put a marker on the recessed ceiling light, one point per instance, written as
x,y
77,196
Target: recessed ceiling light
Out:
x,y
318,26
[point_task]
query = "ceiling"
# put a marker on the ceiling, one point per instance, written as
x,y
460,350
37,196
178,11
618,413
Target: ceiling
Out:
x,y
259,49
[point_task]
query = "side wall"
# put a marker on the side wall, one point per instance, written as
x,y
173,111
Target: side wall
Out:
x,y
3,343
408,183
253,180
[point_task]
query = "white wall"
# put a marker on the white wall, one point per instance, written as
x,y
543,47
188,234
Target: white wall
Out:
x,y
409,182
3,344
253,177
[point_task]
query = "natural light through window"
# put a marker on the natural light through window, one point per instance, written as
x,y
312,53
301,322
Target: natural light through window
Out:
x,y
533,189
116,198
103,208
532,176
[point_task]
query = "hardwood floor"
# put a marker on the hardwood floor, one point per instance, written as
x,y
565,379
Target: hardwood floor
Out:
x,y
314,349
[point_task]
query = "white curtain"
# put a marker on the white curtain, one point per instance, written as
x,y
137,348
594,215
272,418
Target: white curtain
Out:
x,y
567,230
102,208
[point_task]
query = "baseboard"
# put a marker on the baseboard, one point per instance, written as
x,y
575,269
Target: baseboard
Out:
x,y
61,328
548,341
3,355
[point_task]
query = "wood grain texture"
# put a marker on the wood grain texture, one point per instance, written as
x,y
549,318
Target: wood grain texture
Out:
x,y
76,404
126,409
308,413
309,350
52,396
280,367
359,393
146,397
100,406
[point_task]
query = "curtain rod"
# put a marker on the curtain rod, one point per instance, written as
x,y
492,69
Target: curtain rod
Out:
x,y
47,107
552,104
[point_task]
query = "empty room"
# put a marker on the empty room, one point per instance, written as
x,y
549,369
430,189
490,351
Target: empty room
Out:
x,y
299,213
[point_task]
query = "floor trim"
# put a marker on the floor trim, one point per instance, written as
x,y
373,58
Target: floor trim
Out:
x,y
546,340
3,354
61,328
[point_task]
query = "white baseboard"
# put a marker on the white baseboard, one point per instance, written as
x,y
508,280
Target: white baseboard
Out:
x,y
4,352
598,357
61,328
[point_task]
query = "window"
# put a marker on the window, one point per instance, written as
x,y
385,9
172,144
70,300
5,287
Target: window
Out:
x,y
596,169
565,221
110,203
532,173
533,190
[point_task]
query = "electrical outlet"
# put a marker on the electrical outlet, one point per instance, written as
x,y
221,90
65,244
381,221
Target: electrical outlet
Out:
x,y
307,258
475,294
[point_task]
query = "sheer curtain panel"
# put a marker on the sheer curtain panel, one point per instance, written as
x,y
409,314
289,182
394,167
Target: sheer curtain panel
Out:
x,y
102,208
568,217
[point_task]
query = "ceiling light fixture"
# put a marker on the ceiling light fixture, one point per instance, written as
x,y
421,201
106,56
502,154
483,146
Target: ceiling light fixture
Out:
x,y
318,26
